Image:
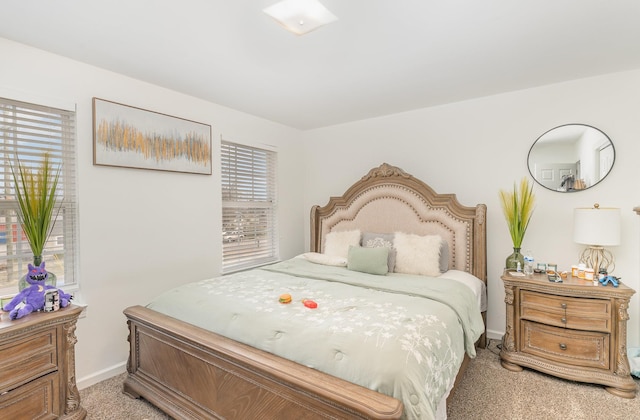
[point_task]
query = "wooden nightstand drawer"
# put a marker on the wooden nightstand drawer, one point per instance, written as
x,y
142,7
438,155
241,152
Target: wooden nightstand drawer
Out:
x,y
27,358
569,312
579,348
36,400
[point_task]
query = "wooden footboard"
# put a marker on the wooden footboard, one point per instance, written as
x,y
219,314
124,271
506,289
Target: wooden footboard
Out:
x,y
191,373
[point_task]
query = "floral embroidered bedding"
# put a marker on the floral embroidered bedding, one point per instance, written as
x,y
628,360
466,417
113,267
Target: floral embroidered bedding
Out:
x,y
398,334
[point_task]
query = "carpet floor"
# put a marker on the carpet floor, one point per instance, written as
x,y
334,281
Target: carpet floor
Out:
x,y
487,391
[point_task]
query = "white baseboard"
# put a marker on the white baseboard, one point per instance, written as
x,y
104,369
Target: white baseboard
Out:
x,y
495,335
99,376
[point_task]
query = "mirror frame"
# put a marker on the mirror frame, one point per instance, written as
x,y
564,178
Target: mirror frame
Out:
x,y
531,170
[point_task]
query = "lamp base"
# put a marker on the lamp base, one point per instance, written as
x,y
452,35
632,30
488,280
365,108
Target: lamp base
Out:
x,y
597,257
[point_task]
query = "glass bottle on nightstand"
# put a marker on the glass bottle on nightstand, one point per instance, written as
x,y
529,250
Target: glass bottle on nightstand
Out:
x,y
528,263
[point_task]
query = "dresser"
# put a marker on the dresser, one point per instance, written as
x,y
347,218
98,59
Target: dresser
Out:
x,y
574,330
37,366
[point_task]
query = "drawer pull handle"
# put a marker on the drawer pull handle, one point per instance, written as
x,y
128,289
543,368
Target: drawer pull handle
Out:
x,y
564,320
563,346
563,305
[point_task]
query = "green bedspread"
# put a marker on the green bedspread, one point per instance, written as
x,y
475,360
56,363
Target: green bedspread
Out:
x,y
400,335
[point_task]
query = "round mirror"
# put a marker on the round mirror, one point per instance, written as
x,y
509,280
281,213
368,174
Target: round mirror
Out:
x,y
572,157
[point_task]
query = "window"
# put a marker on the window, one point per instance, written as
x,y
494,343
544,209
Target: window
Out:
x,y
26,132
249,232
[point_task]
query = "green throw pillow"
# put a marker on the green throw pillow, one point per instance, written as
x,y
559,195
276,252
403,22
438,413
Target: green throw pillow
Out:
x,y
368,260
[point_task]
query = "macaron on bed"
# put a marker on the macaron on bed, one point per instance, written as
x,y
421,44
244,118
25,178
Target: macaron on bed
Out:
x,y
286,298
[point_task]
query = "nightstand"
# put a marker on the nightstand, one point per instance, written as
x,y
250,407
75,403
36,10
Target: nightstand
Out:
x,y
37,366
574,330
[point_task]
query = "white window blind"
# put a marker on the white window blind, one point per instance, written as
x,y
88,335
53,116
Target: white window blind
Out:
x,y
27,131
249,231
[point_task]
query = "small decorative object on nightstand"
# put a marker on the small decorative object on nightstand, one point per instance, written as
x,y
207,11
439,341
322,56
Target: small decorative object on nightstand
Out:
x,y
574,330
37,366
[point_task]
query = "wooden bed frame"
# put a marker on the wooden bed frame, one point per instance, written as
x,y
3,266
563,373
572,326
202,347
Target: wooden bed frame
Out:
x,y
191,373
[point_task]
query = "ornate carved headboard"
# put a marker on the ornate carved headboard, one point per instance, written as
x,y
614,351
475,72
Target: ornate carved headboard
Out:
x,y
389,200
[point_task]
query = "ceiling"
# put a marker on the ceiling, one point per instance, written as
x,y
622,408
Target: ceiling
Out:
x,y
381,57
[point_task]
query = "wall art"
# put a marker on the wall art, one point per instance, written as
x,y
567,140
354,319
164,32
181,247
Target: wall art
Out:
x,y
132,137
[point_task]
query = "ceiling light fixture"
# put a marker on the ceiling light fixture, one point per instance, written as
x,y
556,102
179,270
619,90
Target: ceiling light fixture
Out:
x,y
300,16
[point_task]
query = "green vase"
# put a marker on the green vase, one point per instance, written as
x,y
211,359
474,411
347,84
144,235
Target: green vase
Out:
x,y
51,278
514,259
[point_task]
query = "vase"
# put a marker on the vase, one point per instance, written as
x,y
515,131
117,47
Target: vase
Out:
x,y
514,259
51,278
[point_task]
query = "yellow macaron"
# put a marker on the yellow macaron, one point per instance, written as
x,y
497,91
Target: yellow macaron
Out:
x,y
285,298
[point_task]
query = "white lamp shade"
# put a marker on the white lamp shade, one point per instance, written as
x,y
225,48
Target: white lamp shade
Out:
x,y
300,16
596,226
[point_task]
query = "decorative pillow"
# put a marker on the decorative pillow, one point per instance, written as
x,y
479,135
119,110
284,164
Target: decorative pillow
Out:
x,y
324,259
338,243
417,254
368,260
376,240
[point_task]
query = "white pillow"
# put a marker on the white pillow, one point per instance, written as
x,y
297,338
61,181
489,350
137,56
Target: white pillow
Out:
x,y
324,259
417,254
338,243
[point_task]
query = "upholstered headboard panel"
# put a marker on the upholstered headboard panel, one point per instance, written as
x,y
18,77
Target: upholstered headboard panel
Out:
x,y
389,200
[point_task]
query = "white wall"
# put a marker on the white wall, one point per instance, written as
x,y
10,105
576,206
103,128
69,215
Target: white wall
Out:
x,y
141,231
475,148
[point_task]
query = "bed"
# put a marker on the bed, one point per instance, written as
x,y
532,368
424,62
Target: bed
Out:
x,y
189,371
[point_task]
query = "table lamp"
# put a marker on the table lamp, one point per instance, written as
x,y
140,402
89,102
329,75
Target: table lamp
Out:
x,y
597,227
